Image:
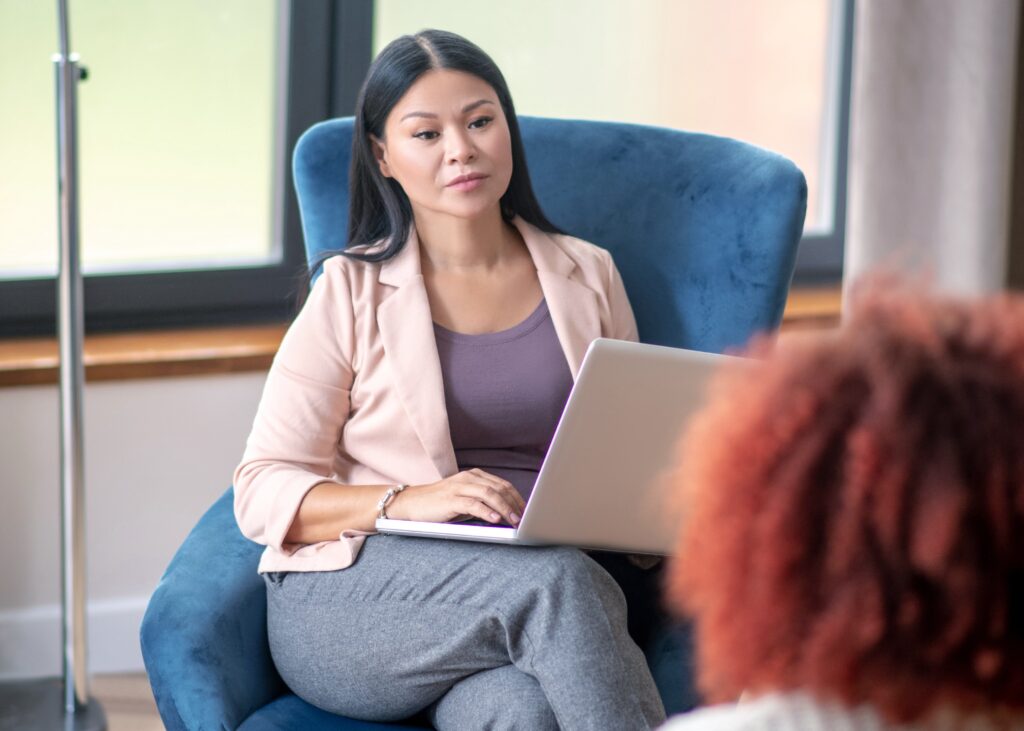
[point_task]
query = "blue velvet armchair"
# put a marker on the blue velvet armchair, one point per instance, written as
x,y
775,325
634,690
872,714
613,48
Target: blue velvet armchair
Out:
x,y
704,232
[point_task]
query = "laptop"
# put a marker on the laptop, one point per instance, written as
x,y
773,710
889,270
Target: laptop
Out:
x,y
604,481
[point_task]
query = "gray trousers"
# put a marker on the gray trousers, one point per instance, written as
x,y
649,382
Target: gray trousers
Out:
x,y
476,635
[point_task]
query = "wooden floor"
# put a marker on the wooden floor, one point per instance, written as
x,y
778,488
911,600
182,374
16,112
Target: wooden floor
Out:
x,y
127,701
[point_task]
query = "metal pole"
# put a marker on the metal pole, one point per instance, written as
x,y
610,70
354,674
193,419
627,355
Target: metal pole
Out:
x,y
47,703
72,382
72,376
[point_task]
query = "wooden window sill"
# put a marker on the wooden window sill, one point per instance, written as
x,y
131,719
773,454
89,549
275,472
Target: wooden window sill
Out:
x,y
186,352
813,308
120,356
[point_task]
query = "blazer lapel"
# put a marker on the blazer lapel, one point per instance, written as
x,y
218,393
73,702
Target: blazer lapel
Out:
x,y
574,307
407,333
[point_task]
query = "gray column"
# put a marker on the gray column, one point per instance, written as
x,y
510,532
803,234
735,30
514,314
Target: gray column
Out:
x,y
931,140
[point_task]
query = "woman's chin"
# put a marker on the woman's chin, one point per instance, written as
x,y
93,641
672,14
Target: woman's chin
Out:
x,y
476,210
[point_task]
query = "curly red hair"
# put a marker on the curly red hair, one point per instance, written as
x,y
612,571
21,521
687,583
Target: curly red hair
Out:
x,y
854,511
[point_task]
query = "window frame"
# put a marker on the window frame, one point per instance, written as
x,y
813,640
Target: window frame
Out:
x,y
819,258
328,54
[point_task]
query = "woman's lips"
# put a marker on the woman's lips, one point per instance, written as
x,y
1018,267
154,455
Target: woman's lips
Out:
x,y
467,185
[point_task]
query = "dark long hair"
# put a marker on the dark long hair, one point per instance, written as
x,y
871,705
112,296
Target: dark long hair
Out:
x,y
378,207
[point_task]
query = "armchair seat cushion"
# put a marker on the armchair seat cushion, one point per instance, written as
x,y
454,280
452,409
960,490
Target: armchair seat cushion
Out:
x,y
289,713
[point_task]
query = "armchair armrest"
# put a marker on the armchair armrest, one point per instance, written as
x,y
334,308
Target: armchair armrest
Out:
x,y
204,636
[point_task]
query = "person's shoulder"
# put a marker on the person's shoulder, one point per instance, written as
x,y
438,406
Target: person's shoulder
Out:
x,y
701,719
729,717
588,256
581,248
772,712
351,270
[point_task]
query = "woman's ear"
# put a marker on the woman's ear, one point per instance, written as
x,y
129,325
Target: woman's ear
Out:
x,y
380,155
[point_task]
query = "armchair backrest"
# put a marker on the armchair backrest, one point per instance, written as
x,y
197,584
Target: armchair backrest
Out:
x,y
703,229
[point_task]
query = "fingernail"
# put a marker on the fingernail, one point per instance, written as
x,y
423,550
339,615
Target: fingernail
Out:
x,y
494,516
514,517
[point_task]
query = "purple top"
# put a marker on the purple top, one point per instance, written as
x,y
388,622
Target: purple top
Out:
x,y
505,392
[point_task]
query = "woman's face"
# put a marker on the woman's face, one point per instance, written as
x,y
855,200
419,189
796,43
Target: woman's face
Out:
x,y
448,124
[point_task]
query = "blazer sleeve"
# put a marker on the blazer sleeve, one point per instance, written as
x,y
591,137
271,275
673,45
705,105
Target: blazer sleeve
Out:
x,y
304,406
623,324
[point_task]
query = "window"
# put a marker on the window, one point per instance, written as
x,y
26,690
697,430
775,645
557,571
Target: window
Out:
x,y
185,127
774,74
176,170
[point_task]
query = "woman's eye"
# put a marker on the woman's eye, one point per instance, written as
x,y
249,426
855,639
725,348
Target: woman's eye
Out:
x,y
479,123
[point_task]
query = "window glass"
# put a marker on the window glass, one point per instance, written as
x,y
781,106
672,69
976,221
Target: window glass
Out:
x,y
178,134
758,71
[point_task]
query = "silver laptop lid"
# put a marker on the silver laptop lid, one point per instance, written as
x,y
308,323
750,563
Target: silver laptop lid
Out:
x,y
603,483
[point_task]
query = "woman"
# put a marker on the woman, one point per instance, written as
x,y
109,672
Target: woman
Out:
x,y
862,566
422,380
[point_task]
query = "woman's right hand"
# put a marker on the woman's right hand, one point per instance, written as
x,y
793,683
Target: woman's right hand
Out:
x,y
473,493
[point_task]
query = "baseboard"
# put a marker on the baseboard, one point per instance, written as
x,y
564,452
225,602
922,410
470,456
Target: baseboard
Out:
x,y
30,639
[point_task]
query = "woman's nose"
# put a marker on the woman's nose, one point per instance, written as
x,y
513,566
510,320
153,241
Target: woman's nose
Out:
x,y
460,147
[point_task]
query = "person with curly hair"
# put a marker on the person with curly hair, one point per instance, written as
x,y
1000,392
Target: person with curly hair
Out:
x,y
852,549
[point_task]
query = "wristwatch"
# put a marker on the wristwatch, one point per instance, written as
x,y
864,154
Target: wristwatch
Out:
x,y
386,500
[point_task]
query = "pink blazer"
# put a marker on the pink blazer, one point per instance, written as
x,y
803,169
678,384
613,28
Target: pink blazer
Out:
x,y
354,394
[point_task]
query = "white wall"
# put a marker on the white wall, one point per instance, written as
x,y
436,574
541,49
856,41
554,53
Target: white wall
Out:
x,y
158,452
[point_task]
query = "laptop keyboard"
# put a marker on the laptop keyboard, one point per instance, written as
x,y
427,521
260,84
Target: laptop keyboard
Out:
x,y
477,521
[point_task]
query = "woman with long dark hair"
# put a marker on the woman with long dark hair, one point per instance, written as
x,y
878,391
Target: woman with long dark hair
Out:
x,y
423,380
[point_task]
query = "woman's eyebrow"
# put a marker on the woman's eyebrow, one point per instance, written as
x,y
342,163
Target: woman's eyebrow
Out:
x,y
468,108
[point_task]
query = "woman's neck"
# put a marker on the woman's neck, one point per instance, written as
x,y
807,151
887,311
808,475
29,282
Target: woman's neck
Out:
x,y
465,244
